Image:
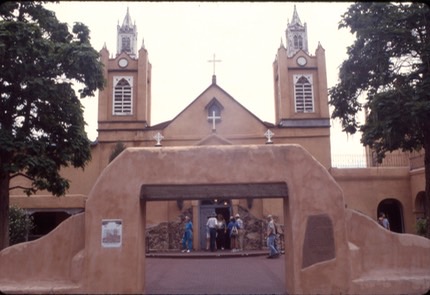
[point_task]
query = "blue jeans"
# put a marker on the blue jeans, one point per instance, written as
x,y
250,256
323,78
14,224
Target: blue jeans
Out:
x,y
271,245
187,241
212,234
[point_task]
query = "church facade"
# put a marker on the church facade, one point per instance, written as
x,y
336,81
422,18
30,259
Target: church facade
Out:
x,y
214,117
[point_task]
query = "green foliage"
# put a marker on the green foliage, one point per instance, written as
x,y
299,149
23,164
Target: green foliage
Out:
x,y
41,119
119,147
42,123
388,65
20,225
421,227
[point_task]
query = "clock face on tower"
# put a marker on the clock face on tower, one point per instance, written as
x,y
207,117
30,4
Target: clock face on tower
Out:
x,y
123,62
301,61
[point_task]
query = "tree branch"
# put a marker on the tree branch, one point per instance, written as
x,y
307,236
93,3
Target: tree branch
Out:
x,y
21,174
21,187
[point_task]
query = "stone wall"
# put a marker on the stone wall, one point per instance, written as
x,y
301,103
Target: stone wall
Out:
x,y
166,236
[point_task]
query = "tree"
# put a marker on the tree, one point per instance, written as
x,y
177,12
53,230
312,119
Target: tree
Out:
x,y
119,147
389,65
41,120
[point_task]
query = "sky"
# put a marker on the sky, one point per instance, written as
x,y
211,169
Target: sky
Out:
x,y
181,38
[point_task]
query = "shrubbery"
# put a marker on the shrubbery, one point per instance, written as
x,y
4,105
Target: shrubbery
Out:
x,y
421,226
20,225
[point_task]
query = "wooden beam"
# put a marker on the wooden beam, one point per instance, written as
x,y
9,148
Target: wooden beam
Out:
x,y
166,192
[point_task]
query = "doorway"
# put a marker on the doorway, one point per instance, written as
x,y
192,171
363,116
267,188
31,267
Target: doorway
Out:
x,y
207,208
392,209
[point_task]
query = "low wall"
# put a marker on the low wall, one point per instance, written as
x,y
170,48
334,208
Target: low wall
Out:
x,y
380,257
48,259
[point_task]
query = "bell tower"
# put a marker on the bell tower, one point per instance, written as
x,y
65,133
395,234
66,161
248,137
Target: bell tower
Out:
x,y
300,81
124,107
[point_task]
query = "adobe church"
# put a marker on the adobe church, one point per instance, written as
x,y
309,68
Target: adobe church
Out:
x,y
216,156
215,118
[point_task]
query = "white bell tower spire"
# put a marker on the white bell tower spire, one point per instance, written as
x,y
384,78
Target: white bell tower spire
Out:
x,y
297,35
127,37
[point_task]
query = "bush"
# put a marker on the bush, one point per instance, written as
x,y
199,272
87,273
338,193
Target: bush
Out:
x,y
119,147
421,226
20,225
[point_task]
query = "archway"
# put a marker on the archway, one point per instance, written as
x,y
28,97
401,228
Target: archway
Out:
x,y
420,205
394,212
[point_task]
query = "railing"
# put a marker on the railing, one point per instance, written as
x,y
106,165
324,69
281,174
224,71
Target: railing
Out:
x,y
416,162
348,161
363,161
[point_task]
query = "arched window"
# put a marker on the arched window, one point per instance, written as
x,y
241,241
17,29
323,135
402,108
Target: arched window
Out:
x,y
298,42
122,97
420,204
125,43
214,109
303,94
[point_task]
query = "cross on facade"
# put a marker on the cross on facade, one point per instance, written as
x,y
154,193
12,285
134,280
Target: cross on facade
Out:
x,y
158,138
214,118
269,134
214,61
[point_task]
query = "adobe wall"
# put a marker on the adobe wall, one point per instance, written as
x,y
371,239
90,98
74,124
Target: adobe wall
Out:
x,y
38,266
330,249
385,262
312,192
365,188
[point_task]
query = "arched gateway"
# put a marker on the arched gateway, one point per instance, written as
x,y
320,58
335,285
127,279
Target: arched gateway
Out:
x,y
330,249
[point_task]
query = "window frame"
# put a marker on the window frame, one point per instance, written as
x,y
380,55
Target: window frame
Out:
x,y
124,100
307,94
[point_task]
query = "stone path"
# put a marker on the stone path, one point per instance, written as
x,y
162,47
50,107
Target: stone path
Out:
x,y
177,273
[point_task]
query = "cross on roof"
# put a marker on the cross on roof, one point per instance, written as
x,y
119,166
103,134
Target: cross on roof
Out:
x,y
269,134
158,138
214,61
214,118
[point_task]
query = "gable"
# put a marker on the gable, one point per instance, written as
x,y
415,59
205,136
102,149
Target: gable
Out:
x,y
233,121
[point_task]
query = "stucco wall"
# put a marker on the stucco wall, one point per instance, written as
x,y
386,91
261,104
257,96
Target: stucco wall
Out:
x,y
365,188
330,249
44,262
383,257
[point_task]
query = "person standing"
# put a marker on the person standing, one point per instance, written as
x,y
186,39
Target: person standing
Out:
x,y
221,231
231,233
187,240
383,220
208,235
212,225
241,228
271,236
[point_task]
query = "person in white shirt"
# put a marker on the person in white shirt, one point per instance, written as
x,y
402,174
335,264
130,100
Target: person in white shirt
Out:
x,y
212,225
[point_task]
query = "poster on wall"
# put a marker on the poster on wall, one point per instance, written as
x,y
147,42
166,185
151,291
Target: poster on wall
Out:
x,y
111,233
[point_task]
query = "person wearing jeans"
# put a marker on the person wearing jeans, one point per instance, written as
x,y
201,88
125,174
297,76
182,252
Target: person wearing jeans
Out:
x,y
271,236
187,239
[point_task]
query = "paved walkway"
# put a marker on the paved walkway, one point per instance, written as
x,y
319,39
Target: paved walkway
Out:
x,y
221,272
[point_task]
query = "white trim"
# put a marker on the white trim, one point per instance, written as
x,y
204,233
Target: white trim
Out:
x,y
304,108
124,105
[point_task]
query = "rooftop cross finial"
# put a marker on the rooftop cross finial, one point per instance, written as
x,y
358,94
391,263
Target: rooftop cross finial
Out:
x,y
158,138
214,61
269,134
